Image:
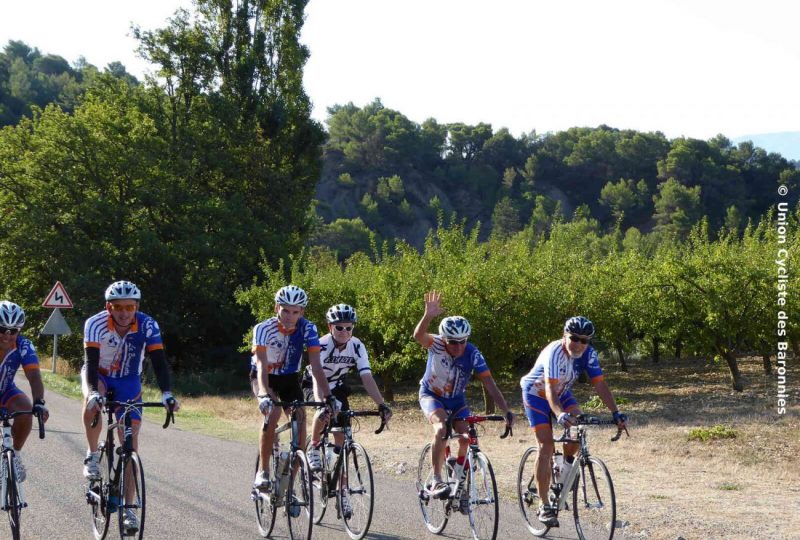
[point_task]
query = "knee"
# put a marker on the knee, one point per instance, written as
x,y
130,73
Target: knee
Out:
x,y
439,431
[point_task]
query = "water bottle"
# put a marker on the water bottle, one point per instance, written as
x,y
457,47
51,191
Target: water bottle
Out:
x,y
330,454
558,467
283,472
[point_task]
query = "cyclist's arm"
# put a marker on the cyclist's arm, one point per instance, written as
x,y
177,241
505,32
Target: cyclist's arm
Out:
x,y
551,392
318,373
160,368
602,389
92,362
372,387
37,387
494,392
421,331
263,372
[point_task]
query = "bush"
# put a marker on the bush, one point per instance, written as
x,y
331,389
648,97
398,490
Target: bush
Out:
x,y
712,433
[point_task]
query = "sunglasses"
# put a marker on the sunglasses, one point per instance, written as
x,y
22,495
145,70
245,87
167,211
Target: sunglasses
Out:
x,y
456,341
9,331
344,328
577,339
130,308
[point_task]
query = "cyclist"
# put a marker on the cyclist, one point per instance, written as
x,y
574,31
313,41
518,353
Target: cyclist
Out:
x,y
546,393
340,352
278,343
451,362
16,351
115,342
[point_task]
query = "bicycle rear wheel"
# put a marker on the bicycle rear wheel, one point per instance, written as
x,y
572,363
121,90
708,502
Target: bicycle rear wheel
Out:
x,y
360,491
484,509
299,499
132,497
528,492
12,502
97,496
593,502
434,511
319,484
265,505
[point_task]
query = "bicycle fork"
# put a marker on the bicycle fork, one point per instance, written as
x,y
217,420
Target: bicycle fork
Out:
x,y
8,455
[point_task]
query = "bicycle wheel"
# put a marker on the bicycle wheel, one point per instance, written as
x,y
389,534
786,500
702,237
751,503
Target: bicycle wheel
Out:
x,y
593,503
319,484
360,491
434,511
265,505
12,502
299,499
484,509
528,492
132,497
97,497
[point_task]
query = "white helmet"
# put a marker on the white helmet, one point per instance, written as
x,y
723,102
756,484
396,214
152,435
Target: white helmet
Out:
x,y
123,290
455,328
291,295
580,326
341,313
11,315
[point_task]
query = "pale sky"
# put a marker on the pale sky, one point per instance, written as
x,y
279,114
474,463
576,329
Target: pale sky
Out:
x,y
693,68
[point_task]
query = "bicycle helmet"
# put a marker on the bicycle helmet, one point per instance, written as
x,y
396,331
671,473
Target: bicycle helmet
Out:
x,y
291,295
11,315
580,326
455,328
123,290
341,313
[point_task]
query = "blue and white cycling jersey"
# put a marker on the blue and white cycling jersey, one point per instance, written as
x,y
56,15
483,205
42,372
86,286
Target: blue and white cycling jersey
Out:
x,y
121,356
446,376
555,365
284,347
24,354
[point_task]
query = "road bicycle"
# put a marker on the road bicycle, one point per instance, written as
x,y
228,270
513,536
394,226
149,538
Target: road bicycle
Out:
x,y
121,487
290,480
586,486
345,471
12,495
472,487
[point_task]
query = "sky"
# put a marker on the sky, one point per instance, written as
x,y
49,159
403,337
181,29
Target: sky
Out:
x,y
685,68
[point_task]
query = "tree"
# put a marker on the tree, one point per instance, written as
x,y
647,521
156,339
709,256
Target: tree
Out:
x,y
677,208
505,218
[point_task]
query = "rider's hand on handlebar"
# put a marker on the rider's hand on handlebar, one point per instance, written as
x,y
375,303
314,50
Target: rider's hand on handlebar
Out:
x,y
168,399
509,419
386,412
332,404
620,419
565,419
39,408
265,405
94,401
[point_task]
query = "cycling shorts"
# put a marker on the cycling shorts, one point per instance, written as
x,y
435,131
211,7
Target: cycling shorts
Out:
x,y
430,402
123,389
10,395
539,411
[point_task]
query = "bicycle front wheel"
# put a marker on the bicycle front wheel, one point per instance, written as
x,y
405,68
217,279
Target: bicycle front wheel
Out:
x,y
358,486
593,502
265,505
528,492
319,484
131,511
97,496
434,511
484,510
12,502
299,499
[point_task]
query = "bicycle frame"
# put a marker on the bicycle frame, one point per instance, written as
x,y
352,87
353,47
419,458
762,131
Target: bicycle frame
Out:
x,y
8,457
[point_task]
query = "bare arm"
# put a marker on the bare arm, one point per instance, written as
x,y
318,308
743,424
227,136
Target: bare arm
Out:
x,y
372,388
433,308
37,387
319,374
605,394
494,392
263,373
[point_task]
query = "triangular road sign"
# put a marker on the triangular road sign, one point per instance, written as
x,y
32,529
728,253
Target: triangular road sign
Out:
x,y
58,298
56,325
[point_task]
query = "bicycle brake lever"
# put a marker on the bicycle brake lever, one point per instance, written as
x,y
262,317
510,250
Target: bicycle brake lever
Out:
x,y
619,433
508,432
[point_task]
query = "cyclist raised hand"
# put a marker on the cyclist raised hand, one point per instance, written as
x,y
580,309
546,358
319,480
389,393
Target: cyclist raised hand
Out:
x,y
278,343
115,342
546,393
451,362
17,350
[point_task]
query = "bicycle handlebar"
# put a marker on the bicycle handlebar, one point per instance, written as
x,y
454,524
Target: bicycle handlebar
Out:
x,y
352,414
5,415
475,419
109,405
589,420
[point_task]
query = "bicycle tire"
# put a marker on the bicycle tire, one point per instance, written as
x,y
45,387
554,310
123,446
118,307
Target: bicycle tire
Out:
x,y
319,484
434,511
265,505
299,501
594,504
97,497
484,508
360,490
12,502
528,492
138,505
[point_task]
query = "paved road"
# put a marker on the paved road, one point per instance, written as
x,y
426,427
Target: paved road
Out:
x,y
198,488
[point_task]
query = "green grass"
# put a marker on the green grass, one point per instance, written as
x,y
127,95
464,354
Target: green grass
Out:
x,y
596,403
713,433
729,486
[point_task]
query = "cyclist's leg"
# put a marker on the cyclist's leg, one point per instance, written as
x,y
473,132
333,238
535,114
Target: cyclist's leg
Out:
x,y
538,412
570,405
15,400
128,389
92,433
433,409
459,426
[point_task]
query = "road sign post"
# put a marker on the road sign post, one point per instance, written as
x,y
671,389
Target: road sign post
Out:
x,y
56,325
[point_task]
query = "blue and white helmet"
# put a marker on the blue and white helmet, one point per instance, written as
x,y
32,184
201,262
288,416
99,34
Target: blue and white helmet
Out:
x,y
11,315
456,327
341,313
291,295
580,326
123,290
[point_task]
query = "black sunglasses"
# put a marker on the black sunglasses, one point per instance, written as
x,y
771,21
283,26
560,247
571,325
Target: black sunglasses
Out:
x,y
456,341
576,339
9,331
344,328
